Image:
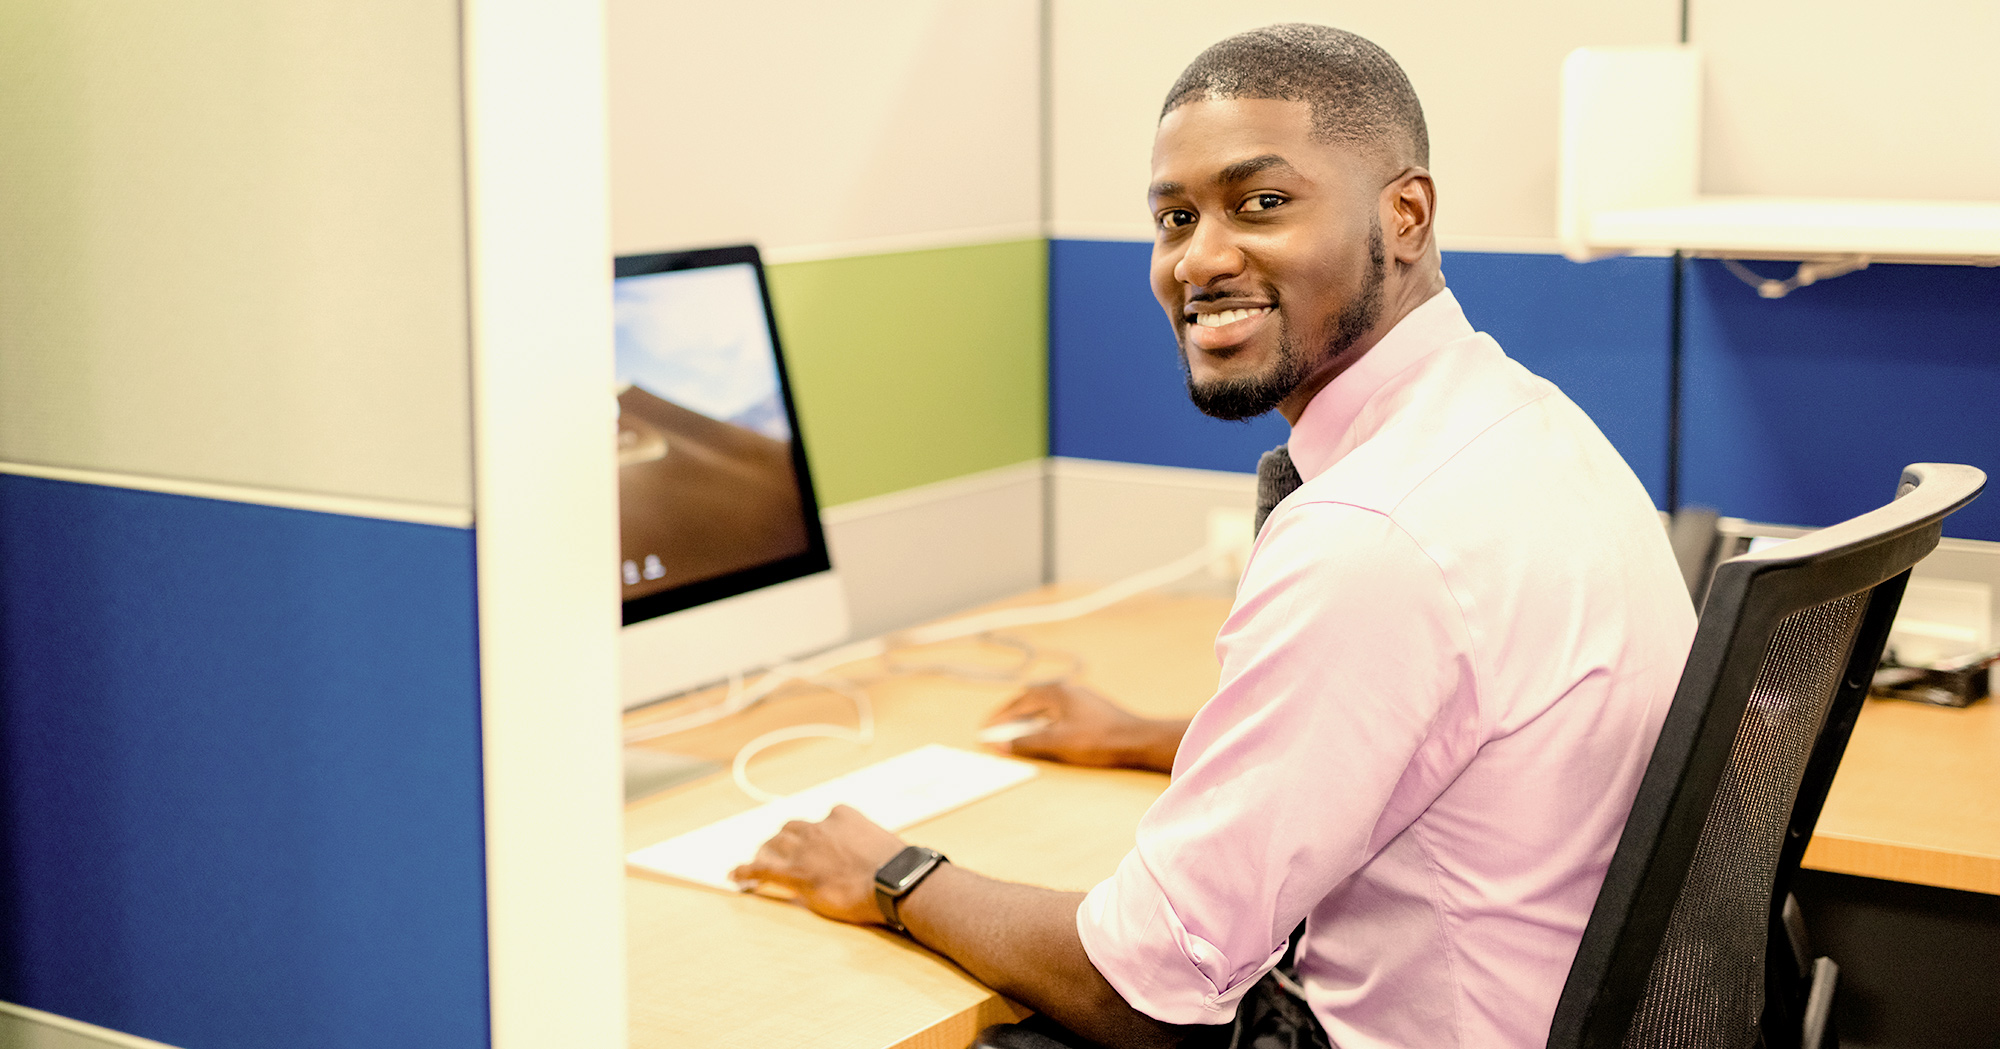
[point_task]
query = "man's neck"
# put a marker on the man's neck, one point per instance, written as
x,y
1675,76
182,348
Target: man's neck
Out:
x,y
1405,295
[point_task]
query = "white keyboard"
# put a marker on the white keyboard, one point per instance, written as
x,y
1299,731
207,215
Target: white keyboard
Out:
x,y
895,793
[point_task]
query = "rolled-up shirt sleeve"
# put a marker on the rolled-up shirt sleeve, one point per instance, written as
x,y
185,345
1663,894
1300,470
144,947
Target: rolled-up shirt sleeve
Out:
x,y
1346,703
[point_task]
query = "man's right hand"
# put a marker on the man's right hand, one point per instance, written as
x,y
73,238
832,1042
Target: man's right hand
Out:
x,y
1085,728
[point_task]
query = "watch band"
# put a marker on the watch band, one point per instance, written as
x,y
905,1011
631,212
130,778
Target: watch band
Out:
x,y
896,878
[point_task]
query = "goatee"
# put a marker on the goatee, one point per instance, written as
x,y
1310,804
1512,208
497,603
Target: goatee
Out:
x,y
1249,396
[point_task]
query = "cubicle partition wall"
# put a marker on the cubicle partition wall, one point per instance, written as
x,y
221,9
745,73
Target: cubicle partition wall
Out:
x,y
1599,331
1790,410
886,156
1797,408
306,621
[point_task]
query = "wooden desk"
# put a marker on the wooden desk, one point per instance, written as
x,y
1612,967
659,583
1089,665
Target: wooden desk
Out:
x,y
711,969
1917,800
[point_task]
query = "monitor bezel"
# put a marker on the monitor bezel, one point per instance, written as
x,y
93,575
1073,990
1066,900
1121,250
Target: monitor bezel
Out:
x,y
814,558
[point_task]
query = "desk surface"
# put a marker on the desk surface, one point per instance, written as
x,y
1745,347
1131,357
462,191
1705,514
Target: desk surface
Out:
x,y
703,965
1915,801
1917,798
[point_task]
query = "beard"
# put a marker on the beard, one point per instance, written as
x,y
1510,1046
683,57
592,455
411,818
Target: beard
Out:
x,y
1248,396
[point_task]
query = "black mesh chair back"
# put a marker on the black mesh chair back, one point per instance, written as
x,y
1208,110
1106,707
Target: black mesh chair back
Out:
x,y
1678,951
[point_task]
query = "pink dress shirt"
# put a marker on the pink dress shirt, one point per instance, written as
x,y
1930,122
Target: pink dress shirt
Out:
x,y
1449,656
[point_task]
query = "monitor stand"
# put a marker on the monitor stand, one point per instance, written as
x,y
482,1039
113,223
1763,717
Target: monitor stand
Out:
x,y
648,772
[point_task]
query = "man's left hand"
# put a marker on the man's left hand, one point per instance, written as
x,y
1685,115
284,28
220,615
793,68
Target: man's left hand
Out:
x,y
830,864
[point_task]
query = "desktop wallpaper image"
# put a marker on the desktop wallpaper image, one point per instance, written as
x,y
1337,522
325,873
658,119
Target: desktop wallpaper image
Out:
x,y
706,483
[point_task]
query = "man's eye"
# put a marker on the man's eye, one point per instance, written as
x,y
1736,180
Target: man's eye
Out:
x,y
1175,218
1262,202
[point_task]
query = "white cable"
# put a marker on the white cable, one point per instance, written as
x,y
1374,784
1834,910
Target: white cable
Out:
x,y
1808,273
741,699
1057,611
862,733
740,767
1068,664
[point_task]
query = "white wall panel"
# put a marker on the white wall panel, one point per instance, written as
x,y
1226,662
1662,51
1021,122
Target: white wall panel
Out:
x,y
1487,75
1113,520
547,523
935,550
823,128
231,244
1850,98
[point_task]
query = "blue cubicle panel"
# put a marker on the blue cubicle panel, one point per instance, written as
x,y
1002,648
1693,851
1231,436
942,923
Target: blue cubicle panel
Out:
x,y
1598,330
240,785
1116,389
1802,410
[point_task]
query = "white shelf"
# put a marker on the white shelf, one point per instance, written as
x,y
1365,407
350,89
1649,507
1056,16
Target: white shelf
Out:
x,y
1805,227
1629,169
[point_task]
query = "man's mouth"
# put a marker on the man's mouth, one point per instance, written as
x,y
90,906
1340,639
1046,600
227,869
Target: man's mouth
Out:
x,y
1227,317
1221,332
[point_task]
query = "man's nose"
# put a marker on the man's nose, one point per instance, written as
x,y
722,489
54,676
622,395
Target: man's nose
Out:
x,y
1211,254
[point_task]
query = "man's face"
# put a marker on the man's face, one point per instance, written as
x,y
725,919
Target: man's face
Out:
x,y
1267,251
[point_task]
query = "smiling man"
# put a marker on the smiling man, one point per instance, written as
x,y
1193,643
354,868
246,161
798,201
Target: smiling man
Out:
x,y
1449,655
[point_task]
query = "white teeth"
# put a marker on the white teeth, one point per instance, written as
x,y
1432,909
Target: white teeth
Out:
x,y
1217,320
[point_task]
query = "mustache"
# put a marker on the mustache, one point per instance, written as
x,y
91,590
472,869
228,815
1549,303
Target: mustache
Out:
x,y
1215,294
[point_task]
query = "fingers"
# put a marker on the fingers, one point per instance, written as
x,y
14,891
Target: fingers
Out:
x,y
1044,744
1034,702
775,860
830,865
809,858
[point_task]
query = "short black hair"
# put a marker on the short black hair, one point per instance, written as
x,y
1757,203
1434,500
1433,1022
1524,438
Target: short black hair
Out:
x,y
1358,94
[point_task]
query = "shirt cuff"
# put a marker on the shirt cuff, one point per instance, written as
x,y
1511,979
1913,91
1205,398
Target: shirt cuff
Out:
x,y
1131,934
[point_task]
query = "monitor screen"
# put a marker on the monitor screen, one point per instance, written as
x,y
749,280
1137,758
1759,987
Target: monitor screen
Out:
x,y
713,493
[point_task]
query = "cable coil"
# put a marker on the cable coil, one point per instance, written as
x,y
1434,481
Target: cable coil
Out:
x,y
817,670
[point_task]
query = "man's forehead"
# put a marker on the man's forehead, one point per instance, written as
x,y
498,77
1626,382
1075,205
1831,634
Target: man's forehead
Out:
x,y
1217,141
1233,119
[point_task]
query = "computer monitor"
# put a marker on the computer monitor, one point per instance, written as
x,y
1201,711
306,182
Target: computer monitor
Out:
x,y
722,560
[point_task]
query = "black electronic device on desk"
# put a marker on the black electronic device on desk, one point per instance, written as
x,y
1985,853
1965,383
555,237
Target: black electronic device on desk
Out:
x,y
1942,646
1944,686
723,563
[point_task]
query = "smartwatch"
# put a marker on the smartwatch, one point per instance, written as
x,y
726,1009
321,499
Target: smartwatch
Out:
x,y
897,877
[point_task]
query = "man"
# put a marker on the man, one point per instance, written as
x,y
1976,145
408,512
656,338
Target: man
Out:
x,y
1450,652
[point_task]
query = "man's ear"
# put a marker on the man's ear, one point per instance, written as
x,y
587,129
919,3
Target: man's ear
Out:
x,y
1409,209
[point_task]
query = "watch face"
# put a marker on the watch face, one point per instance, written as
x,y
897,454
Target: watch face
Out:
x,y
898,870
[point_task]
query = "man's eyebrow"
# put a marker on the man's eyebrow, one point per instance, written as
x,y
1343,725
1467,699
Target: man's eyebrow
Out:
x,y
1234,173
1243,169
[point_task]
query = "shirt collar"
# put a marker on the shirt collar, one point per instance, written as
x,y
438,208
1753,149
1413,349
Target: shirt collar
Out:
x,y
1316,440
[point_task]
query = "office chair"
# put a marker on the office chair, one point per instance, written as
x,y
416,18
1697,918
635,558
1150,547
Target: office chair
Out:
x,y
1692,534
1694,940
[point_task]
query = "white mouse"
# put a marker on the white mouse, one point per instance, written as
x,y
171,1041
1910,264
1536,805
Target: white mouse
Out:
x,y
1009,731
